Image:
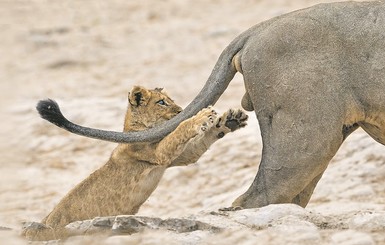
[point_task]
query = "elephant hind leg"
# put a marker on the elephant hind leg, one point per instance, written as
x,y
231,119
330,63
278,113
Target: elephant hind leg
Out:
x,y
377,132
302,199
295,154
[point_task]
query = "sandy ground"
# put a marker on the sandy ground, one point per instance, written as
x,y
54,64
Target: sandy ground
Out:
x,y
88,54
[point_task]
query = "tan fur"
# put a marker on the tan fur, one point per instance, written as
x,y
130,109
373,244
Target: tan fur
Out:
x,y
134,170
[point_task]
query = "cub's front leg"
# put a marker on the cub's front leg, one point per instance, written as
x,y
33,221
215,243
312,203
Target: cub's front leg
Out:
x,y
174,144
230,121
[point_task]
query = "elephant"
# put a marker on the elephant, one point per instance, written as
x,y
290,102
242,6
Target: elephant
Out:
x,y
312,77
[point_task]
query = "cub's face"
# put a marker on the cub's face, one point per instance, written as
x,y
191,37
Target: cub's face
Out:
x,y
148,108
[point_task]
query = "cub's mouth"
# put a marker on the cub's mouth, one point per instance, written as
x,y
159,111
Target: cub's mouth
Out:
x,y
173,114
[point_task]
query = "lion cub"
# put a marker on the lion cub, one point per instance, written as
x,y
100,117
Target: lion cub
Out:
x,y
134,170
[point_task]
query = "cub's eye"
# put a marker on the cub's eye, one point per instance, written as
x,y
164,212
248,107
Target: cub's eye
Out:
x,y
161,102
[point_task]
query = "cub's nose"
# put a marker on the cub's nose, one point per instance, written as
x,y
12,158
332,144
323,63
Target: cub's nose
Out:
x,y
178,110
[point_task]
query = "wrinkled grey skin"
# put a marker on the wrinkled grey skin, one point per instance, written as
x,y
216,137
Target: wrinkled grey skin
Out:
x,y
312,77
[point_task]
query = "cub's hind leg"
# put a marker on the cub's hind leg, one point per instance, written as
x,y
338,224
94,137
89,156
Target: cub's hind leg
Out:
x,y
35,231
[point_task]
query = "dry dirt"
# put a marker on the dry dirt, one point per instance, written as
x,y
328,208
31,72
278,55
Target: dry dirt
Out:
x,y
88,54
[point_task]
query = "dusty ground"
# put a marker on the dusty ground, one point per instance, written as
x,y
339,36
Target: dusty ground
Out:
x,y
88,54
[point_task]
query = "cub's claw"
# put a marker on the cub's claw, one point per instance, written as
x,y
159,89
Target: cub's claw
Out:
x,y
206,118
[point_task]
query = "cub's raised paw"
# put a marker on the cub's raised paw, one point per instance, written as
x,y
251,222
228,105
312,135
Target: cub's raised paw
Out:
x,y
205,119
233,119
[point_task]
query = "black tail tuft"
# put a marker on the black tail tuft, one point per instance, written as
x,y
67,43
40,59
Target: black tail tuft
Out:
x,y
50,111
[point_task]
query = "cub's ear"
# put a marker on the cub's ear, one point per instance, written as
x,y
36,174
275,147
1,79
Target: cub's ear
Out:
x,y
139,96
